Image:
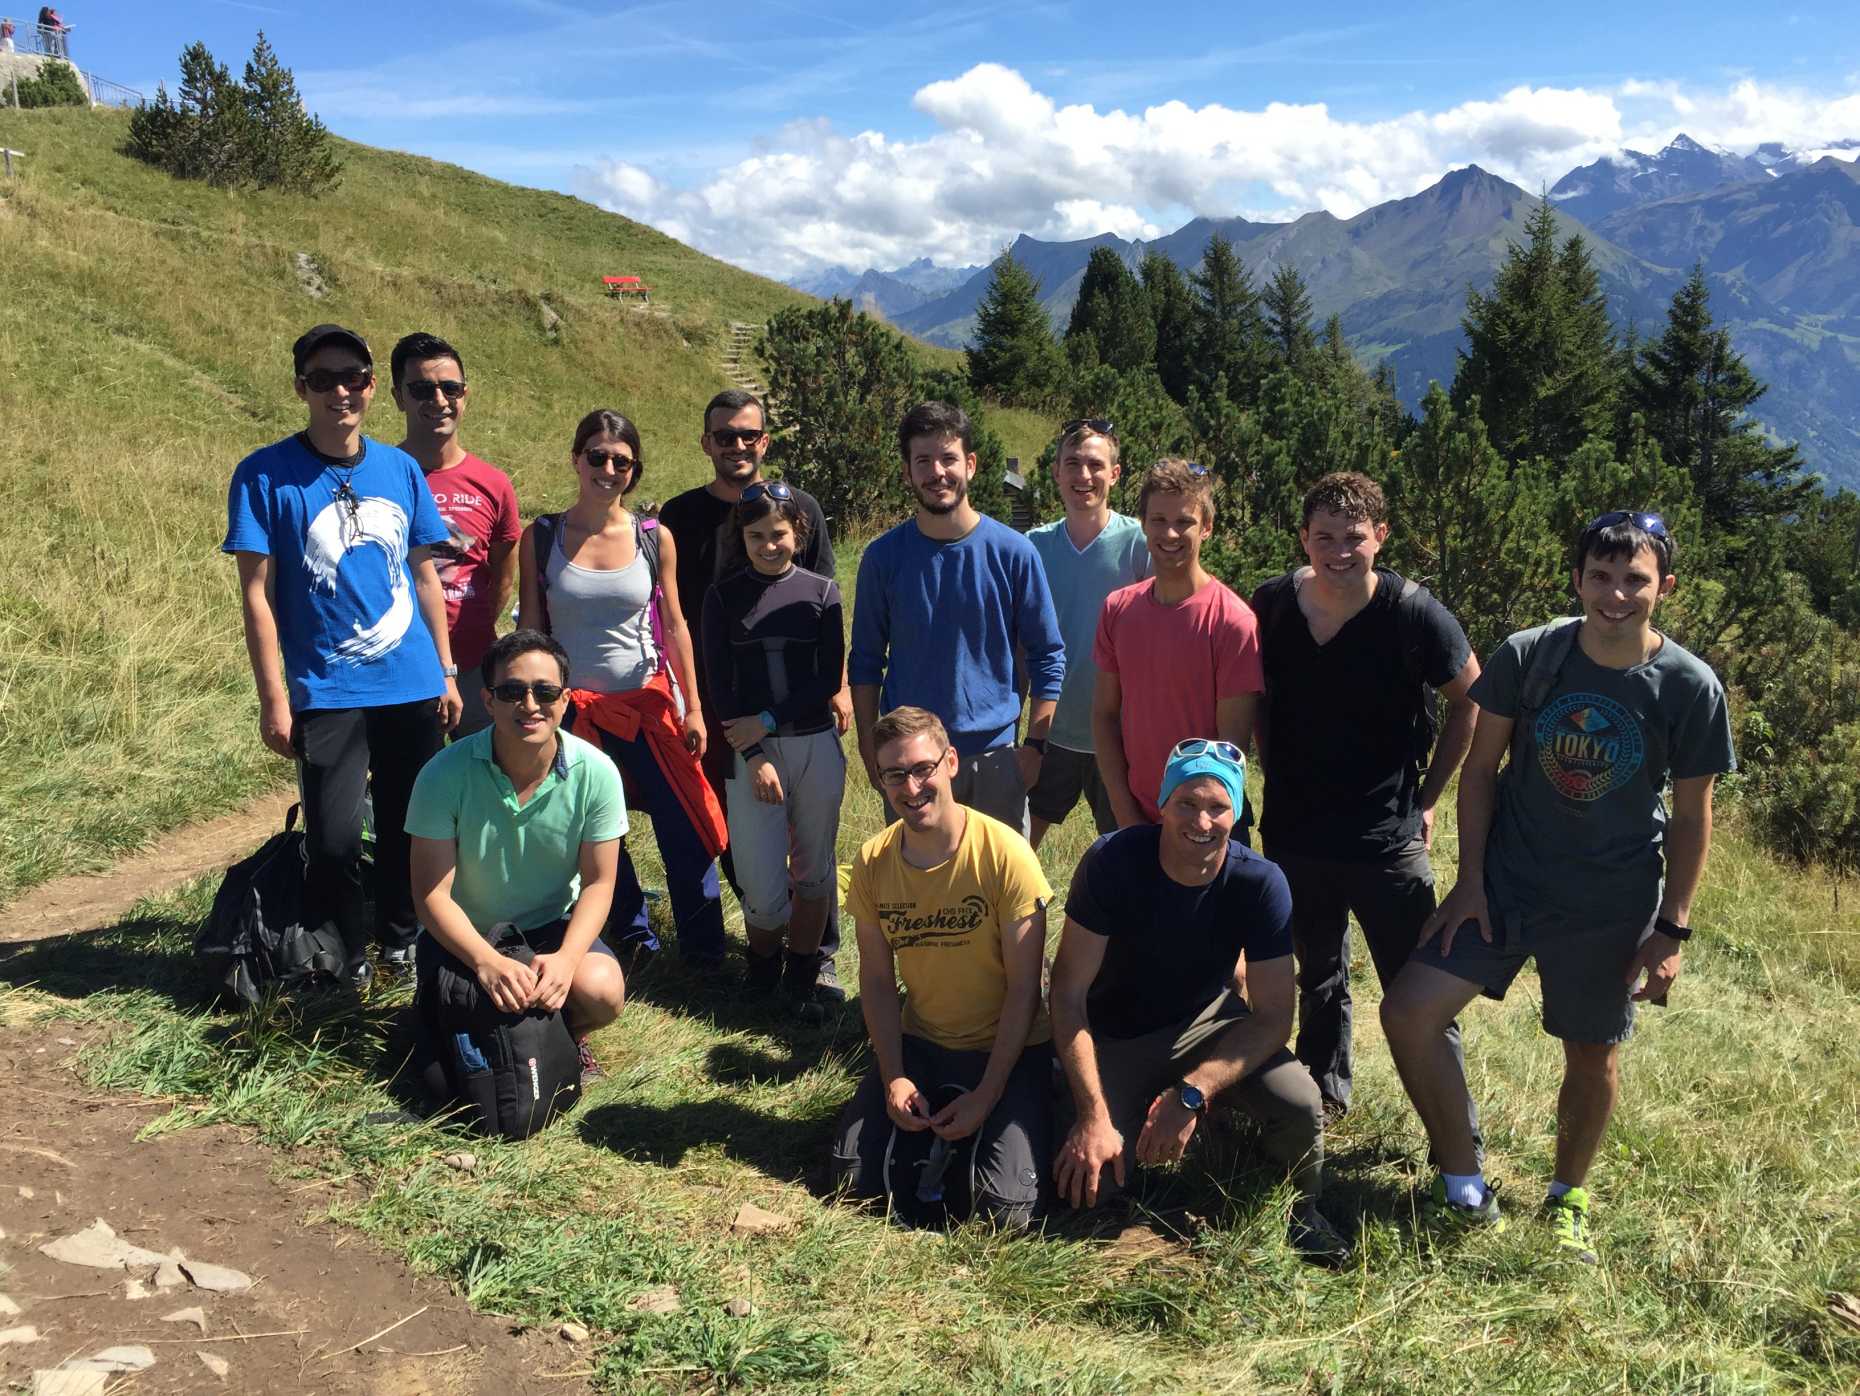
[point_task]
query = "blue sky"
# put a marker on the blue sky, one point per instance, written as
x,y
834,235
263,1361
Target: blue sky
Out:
x,y
787,136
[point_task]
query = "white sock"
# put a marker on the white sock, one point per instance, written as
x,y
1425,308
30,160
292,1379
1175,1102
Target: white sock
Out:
x,y
1465,1189
1557,1190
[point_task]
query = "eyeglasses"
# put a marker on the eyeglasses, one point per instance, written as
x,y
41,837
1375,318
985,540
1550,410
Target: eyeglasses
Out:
x,y
599,460
728,437
1208,746
321,380
1100,426
770,489
1646,523
515,691
896,776
425,389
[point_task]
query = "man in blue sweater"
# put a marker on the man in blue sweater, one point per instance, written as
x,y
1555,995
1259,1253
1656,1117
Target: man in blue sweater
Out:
x,y
945,601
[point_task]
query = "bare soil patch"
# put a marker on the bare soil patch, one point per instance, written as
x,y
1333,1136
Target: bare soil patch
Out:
x,y
69,1156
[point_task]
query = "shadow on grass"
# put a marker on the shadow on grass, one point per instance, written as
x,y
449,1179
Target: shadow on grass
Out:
x,y
793,1150
153,955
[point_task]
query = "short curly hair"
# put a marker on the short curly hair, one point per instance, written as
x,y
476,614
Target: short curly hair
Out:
x,y
1349,493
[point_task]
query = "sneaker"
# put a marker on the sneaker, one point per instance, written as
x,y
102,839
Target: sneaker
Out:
x,y
764,976
1568,1218
397,958
827,983
800,981
1313,1237
1460,1216
358,973
591,1068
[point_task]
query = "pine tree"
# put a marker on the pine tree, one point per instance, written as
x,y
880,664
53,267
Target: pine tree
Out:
x,y
1112,311
1695,392
289,148
1172,313
1229,333
1013,355
1287,306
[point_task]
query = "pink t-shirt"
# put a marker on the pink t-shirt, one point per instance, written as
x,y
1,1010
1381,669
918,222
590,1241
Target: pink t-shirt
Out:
x,y
479,507
1174,664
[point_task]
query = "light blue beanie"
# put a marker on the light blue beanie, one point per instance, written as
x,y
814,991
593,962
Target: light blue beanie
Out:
x,y
1206,763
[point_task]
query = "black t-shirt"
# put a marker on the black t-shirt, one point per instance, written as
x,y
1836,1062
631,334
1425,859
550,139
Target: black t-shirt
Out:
x,y
1172,948
1342,771
774,644
697,519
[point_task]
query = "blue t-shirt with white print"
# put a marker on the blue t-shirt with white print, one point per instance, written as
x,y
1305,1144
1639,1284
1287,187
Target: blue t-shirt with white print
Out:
x,y
348,621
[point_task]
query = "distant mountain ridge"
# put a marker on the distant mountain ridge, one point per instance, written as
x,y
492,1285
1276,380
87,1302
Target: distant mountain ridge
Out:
x,y
1777,232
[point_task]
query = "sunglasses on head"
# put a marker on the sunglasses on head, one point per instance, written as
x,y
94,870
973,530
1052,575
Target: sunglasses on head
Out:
x,y
426,389
1208,746
598,459
730,436
515,691
1646,523
322,380
1100,426
770,489
1195,468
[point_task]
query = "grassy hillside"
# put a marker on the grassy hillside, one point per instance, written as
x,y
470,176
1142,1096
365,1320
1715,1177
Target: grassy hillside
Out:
x,y
145,326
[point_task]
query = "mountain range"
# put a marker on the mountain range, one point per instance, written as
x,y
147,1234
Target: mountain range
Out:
x,y
1777,232
887,293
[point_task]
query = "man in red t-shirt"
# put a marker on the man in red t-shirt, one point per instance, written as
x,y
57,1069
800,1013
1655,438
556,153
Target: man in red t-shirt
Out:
x,y
1177,653
478,562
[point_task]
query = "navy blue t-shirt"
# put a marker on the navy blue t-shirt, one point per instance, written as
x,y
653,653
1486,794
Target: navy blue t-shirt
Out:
x,y
1172,948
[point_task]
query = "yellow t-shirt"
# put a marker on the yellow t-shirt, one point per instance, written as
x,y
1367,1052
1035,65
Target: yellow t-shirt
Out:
x,y
944,927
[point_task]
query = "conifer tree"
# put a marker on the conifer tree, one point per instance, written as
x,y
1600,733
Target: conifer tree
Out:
x,y
1229,332
1013,355
1111,309
1172,313
289,148
1287,306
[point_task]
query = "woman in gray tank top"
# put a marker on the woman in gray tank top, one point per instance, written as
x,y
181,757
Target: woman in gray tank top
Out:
x,y
595,590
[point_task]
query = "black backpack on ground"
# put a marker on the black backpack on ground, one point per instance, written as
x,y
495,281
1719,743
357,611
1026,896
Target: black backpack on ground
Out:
x,y
496,1073
255,937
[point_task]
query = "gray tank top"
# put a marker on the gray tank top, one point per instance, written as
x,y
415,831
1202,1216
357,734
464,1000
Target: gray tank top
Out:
x,y
601,618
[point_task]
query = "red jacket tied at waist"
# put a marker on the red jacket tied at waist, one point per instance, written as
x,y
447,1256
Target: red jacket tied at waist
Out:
x,y
650,711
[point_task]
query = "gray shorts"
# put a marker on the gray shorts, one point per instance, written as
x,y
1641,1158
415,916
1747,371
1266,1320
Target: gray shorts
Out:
x,y
1583,969
787,849
990,782
1065,776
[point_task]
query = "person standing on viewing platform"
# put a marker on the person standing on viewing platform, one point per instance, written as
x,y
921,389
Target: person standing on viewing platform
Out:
x,y
478,560
945,602
1089,553
1354,655
604,582
736,440
1569,857
333,534
1177,655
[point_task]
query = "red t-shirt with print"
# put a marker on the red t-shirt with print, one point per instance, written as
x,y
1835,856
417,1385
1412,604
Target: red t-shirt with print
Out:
x,y
479,507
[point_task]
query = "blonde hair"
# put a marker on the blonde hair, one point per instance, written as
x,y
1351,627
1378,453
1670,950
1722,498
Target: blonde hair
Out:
x,y
1172,475
902,723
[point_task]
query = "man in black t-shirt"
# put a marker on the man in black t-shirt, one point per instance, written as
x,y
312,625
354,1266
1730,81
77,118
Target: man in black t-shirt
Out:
x,y
1162,923
736,439
1353,655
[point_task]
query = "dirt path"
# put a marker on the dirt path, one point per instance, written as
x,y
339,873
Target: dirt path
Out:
x,y
68,1157
93,900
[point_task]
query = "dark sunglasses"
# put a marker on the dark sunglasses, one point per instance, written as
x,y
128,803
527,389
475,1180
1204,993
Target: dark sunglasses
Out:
x,y
1646,523
766,489
515,691
425,389
1101,426
598,459
727,436
321,380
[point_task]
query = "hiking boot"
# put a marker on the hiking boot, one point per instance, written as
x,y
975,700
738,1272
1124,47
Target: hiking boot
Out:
x,y
591,1068
1460,1217
1568,1219
764,976
827,983
396,958
1313,1237
800,981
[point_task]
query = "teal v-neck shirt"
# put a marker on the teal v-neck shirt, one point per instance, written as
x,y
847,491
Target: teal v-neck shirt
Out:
x,y
517,864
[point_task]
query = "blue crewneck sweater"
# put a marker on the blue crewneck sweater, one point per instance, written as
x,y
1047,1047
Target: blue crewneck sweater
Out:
x,y
938,625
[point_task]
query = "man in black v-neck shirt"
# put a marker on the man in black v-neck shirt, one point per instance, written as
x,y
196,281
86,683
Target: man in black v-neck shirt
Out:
x,y
1352,655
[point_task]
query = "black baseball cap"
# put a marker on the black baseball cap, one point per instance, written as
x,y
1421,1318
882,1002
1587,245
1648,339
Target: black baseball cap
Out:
x,y
317,336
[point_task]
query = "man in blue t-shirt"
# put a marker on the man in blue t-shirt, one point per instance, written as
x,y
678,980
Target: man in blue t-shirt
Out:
x,y
333,532
1569,857
1164,925
945,601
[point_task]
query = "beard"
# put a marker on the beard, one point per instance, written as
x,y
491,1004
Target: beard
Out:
x,y
961,493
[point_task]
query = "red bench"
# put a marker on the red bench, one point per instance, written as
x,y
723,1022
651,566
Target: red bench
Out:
x,y
621,286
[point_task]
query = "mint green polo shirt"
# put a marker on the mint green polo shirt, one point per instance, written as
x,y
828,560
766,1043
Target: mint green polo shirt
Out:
x,y
521,865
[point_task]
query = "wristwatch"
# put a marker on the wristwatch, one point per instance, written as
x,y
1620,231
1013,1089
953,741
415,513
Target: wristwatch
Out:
x,y
448,671
1672,928
769,724
1036,743
1191,1097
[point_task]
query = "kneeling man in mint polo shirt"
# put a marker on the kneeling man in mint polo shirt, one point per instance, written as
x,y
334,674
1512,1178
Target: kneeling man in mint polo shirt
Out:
x,y
520,824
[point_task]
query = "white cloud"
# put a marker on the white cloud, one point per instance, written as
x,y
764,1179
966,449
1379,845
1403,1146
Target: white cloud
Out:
x,y
1005,158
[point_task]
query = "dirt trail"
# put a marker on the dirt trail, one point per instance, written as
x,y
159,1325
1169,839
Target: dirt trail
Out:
x,y
93,900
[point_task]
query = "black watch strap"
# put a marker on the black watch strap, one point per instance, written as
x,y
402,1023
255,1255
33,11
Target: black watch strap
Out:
x,y
1191,1097
1037,743
1672,928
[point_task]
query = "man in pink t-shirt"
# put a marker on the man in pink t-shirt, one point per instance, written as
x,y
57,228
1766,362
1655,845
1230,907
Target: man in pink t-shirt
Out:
x,y
478,561
1177,654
